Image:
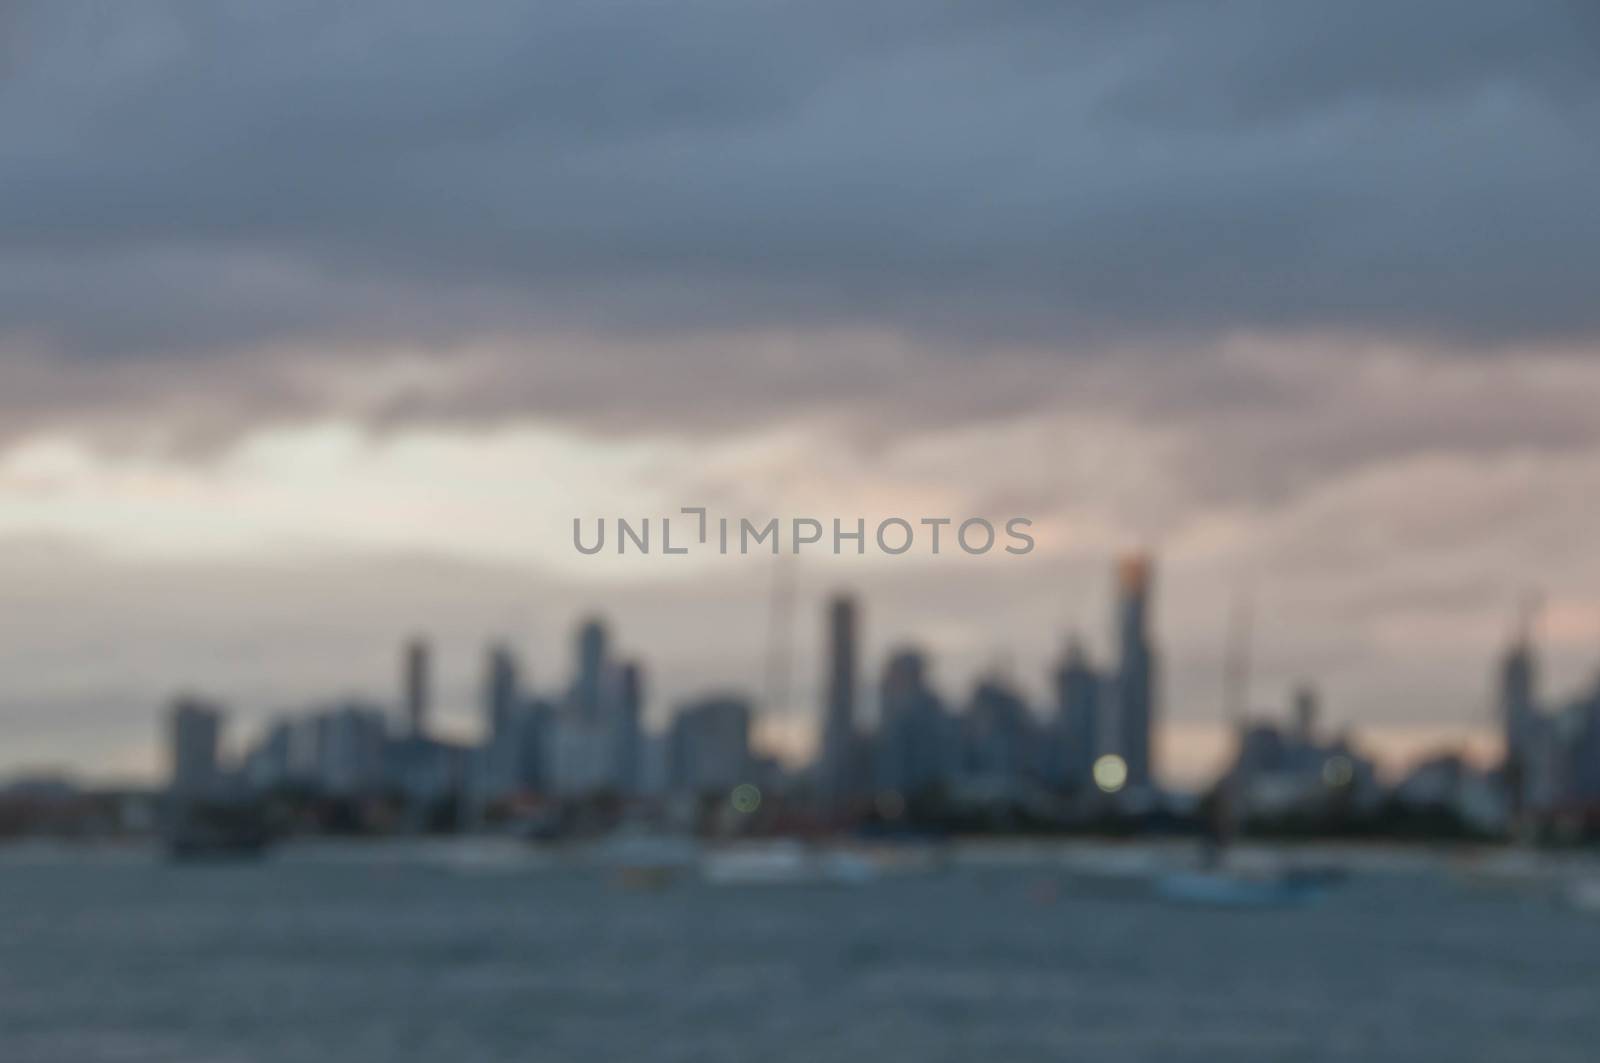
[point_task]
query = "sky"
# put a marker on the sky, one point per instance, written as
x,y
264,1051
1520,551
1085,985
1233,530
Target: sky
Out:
x,y
319,324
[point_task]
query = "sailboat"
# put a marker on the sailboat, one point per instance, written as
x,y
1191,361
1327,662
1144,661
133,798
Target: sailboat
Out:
x,y
1221,880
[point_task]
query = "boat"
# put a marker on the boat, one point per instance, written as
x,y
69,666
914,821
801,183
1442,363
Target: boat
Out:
x,y
785,862
1221,888
644,860
1227,877
216,832
194,843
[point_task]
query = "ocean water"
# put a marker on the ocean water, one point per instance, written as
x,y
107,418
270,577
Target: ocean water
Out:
x,y
388,954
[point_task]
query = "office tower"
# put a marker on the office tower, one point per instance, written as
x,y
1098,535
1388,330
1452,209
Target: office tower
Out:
x,y
589,690
536,724
628,702
580,759
417,682
1522,725
709,746
350,754
194,738
1134,706
1000,734
914,747
1305,715
1077,732
838,741
1518,707
268,765
501,695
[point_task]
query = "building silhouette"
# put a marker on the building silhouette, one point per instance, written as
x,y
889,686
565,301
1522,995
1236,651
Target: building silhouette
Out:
x,y
194,738
708,748
417,685
1077,736
917,746
1520,723
836,774
1001,734
627,725
589,687
1134,688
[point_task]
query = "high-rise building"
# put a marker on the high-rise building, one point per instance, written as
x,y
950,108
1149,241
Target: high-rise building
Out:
x,y
1134,690
268,764
709,745
628,709
915,747
1077,733
416,682
501,695
589,686
194,738
581,759
536,726
836,763
1000,745
1527,732
1305,715
350,749
1518,705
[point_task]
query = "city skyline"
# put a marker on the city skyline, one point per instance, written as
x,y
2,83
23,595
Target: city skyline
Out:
x,y
586,739
280,382
574,755
853,701
1194,745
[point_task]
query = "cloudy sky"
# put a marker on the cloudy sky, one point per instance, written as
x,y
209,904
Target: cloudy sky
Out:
x,y
320,322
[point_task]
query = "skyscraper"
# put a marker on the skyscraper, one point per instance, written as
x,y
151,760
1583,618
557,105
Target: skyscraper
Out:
x,y
500,763
351,749
589,686
1520,721
838,746
915,746
709,745
1305,715
416,682
1517,696
1000,745
1077,732
625,729
1134,690
501,694
194,738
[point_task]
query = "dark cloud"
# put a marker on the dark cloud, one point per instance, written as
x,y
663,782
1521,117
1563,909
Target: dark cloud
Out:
x,y
212,178
1197,275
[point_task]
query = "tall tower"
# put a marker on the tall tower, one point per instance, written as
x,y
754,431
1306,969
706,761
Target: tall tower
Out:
x,y
1305,714
1078,736
589,688
194,735
416,681
836,762
1134,702
501,694
626,731
1519,710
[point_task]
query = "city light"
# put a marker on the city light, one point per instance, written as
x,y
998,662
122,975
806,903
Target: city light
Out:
x,y
1110,773
746,798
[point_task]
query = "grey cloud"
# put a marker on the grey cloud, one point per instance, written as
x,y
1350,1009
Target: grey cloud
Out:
x,y
1055,173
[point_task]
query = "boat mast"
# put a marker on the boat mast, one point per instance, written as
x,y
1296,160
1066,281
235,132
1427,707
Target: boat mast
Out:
x,y
1235,692
780,638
